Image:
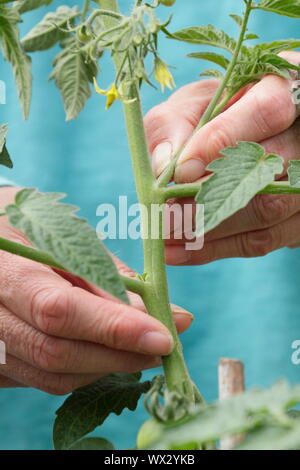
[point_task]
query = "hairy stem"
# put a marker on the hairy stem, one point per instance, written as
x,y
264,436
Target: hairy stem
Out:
x,y
210,112
29,253
85,9
192,189
215,107
155,295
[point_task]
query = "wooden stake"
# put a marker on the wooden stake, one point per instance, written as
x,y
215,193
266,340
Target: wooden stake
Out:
x,y
231,382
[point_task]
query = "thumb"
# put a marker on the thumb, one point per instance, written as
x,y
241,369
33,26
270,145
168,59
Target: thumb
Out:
x,y
169,124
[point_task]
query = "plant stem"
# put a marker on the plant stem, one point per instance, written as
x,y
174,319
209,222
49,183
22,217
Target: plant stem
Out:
x,y
155,293
134,285
214,107
181,190
192,189
280,187
211,108
85,9
29,253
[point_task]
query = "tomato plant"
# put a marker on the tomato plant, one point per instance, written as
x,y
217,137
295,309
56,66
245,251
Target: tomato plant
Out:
x,y
180,417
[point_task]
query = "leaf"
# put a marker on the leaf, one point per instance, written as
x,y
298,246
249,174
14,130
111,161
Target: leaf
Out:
x,y
295,414
73,74
212,57
92,443
27,5
249,72
278,46
4,155
239,414
244,171
89,406
238,19
212,73
282,7
13,53
207,35
251,36
277,61
53,228
272,438
294,173
47,33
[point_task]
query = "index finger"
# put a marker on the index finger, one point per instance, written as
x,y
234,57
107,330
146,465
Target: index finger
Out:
x,y
264,111
52,305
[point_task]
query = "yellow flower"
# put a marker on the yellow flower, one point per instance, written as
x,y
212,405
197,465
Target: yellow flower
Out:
x,y
111,94
163,75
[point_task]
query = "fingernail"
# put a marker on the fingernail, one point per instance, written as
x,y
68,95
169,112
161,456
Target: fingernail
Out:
x,y
183,319
189,171
161,157
156,343
182,313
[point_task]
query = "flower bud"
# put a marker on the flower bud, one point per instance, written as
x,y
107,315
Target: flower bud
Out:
x,y
83,34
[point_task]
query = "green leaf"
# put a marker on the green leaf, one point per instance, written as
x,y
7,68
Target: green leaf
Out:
x,y
207,35
295,414
239,414
282,7
212,73
13,53
251,36
212,57
249,72
279,46
92,443
238,19
277,61
272,438
73,73
4,155
27,5
47,33
54,228
89,406
244,171
294,173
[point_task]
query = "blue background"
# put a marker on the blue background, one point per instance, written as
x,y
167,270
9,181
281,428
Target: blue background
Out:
x,y
248,309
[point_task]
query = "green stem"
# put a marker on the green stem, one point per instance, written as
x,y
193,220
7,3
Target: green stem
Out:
x,y
131,284
85,9
281,187
29,253
220,107
214,107
134,285
155,293
192,189
211,108
181,190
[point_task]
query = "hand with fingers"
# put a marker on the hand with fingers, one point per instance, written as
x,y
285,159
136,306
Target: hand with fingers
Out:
x,y
264,113
62,333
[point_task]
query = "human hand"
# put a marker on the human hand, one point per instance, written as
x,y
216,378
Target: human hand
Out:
x,y
263,113
61,332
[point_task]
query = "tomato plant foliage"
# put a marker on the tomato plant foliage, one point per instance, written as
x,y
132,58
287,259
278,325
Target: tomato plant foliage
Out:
x,y
83,33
